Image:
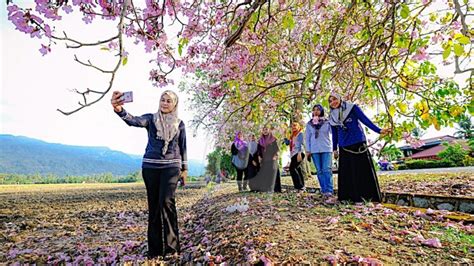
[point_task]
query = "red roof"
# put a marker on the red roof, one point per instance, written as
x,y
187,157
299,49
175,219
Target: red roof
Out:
x,y
431,141
433,151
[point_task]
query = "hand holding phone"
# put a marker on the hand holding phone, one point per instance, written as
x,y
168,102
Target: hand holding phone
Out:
x,y
127,97
116,102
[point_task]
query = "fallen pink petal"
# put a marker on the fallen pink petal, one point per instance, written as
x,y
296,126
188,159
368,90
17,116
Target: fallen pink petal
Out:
x,y
432,242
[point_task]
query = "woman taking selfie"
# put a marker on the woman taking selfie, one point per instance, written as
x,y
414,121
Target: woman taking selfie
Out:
x,y
164,162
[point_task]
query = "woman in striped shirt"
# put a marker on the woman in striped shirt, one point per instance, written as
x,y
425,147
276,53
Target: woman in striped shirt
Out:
x,y
163,164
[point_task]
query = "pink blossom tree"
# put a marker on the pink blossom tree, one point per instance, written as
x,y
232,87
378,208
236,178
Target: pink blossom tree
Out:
x,y
261,61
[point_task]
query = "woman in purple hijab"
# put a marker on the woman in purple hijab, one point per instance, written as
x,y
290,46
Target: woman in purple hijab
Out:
x,y
240,158
267,152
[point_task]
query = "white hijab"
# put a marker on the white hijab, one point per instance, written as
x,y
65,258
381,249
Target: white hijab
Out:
x,y
339,115
253,145
167,125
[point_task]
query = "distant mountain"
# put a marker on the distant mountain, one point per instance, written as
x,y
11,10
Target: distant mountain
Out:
x,y
23,155
196,167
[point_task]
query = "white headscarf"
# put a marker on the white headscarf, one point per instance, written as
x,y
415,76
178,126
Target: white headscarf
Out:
x,y
339,115
167,125
253,145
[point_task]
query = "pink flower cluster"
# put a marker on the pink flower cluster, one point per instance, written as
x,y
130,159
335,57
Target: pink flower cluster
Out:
x,y
421,55
414,142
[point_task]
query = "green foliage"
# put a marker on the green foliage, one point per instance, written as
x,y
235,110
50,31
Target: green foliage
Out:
x,y
182,43
376,165
462,241
288,21
465,128
401,167
404,11
453,153
194,178
418,132
213,162
468,161
471,144
391,152
7,179
422,164
220,159
226,164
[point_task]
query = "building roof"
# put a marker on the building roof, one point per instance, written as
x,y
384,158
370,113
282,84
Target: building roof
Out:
x,y
430,142
433,151
436,139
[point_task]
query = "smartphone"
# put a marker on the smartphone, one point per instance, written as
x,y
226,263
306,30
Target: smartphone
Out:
x,y
127,97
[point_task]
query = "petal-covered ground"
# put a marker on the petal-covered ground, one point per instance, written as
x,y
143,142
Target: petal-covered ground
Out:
x,y
106,223
446,184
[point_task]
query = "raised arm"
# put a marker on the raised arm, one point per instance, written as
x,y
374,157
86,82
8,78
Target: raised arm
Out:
x,y
136,121
365,120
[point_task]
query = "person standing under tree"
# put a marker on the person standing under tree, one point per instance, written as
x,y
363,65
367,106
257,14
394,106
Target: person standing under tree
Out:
x,y
240,159
164,162
357,179
253,165
267,179
318,146
297,155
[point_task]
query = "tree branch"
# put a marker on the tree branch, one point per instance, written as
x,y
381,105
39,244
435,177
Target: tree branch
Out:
x,y
266,88
113,72
229,41
331,44
457,7
89,64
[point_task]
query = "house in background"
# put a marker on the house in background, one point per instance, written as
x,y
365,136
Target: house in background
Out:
x,y
431,148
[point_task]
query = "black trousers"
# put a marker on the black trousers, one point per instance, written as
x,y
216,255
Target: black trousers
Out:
x,y
163,236
296,172
241,174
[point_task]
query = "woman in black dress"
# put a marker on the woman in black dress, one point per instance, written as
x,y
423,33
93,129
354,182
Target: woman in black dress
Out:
x,y
266,178
357,179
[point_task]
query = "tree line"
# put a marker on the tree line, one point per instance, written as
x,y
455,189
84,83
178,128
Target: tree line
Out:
x,y
10,179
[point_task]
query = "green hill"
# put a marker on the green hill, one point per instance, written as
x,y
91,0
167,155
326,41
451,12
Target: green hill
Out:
x,y
23,155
